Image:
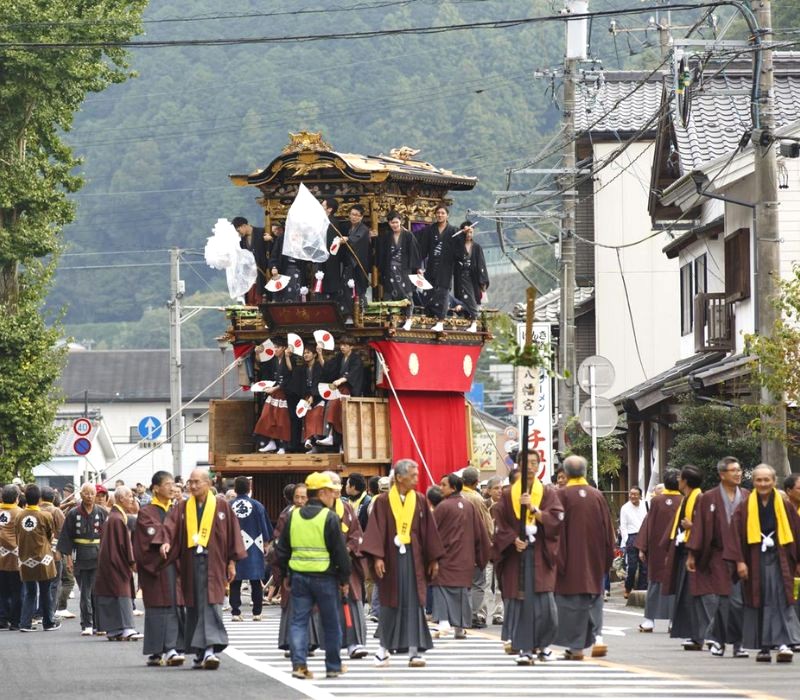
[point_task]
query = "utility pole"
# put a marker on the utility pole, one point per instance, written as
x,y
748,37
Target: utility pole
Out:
x,y
576,37
177,288
664,25
767,235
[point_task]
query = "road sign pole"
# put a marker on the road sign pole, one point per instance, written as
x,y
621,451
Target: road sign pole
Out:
x,y
593,399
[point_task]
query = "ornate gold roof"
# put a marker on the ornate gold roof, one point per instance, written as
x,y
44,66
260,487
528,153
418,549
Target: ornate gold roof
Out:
x,y
307,154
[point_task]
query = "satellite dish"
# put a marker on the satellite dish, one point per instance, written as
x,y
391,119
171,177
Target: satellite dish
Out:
x,y
603,374
605,416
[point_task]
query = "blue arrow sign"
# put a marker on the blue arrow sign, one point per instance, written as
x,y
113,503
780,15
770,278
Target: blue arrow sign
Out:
x,y
150,428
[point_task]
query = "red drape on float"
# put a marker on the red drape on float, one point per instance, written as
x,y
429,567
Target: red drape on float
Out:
x,y
430,380
439,422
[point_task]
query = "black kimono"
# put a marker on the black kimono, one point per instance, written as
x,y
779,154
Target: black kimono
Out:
x,y
293,268
470,277
332,287
396,261
358,238
437,251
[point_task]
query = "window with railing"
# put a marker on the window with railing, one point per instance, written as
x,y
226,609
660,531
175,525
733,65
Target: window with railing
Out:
x,y
713,322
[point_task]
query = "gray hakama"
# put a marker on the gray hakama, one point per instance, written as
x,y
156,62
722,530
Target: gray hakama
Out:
x,y
509,621
404,627
354,634
315,634
580,620
726,624
452,604
775,622
691,615
656,605
113,614
204,626
533,621
163,626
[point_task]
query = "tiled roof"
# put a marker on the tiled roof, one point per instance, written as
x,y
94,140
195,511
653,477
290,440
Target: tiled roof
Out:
x,y
718,121
548,305
595,102
141,375
651,391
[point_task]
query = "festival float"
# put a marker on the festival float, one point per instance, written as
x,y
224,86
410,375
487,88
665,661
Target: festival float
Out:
x,y
418,377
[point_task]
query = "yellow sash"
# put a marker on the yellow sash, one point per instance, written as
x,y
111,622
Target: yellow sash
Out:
x,y
7,506
670,492
195,537
124,514
357,503
754,522
690,501
338,506
32,508
536,492
577,481
164,506
403,512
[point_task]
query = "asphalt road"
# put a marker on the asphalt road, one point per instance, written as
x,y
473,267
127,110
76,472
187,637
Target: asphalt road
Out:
x,y
65,663
657,652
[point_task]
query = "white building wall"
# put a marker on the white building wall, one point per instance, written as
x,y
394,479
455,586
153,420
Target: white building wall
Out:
x,y
737,217
138,463
789,218
621,216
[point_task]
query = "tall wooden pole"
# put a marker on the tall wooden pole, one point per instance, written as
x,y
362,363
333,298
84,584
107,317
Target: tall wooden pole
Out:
x,y
767,237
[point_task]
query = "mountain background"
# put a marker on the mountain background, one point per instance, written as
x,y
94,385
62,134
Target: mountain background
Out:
x,y
158,149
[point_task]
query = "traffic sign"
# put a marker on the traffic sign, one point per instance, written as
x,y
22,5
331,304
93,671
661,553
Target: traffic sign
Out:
x,y
82,427
598,370
605,416
150,428
82,446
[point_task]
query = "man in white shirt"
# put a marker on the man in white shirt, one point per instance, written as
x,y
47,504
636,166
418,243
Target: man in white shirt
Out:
x,y
631,516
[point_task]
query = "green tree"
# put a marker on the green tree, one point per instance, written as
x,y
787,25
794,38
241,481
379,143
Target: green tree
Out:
x,y
609,449
40,92
776,364
707,432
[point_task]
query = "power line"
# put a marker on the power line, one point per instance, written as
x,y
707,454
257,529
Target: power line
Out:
x,y
207,18
338,36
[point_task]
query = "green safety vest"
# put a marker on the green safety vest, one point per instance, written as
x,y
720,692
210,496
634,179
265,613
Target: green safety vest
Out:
x,y
307,539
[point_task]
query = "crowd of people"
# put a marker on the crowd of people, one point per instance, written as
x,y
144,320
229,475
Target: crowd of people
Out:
x,y
436,267
720,565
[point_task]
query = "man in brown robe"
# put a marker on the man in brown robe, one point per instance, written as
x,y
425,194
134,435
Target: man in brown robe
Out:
x,y
526,566
79,543
466,547
353,618
161,593
713,576
206,562
115,567
765,547
37,568
652,545
585,555
691,613
405,549
482,578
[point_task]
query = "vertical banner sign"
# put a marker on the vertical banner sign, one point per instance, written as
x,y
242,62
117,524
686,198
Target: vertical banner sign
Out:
x,y
533,390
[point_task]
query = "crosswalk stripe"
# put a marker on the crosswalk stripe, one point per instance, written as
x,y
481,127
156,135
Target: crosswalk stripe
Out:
x,y
473,667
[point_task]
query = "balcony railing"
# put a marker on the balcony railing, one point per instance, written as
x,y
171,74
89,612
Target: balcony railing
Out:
x,y
714,323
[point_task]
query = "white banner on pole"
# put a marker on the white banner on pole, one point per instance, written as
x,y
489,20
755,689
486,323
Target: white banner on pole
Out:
x,y
540,432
